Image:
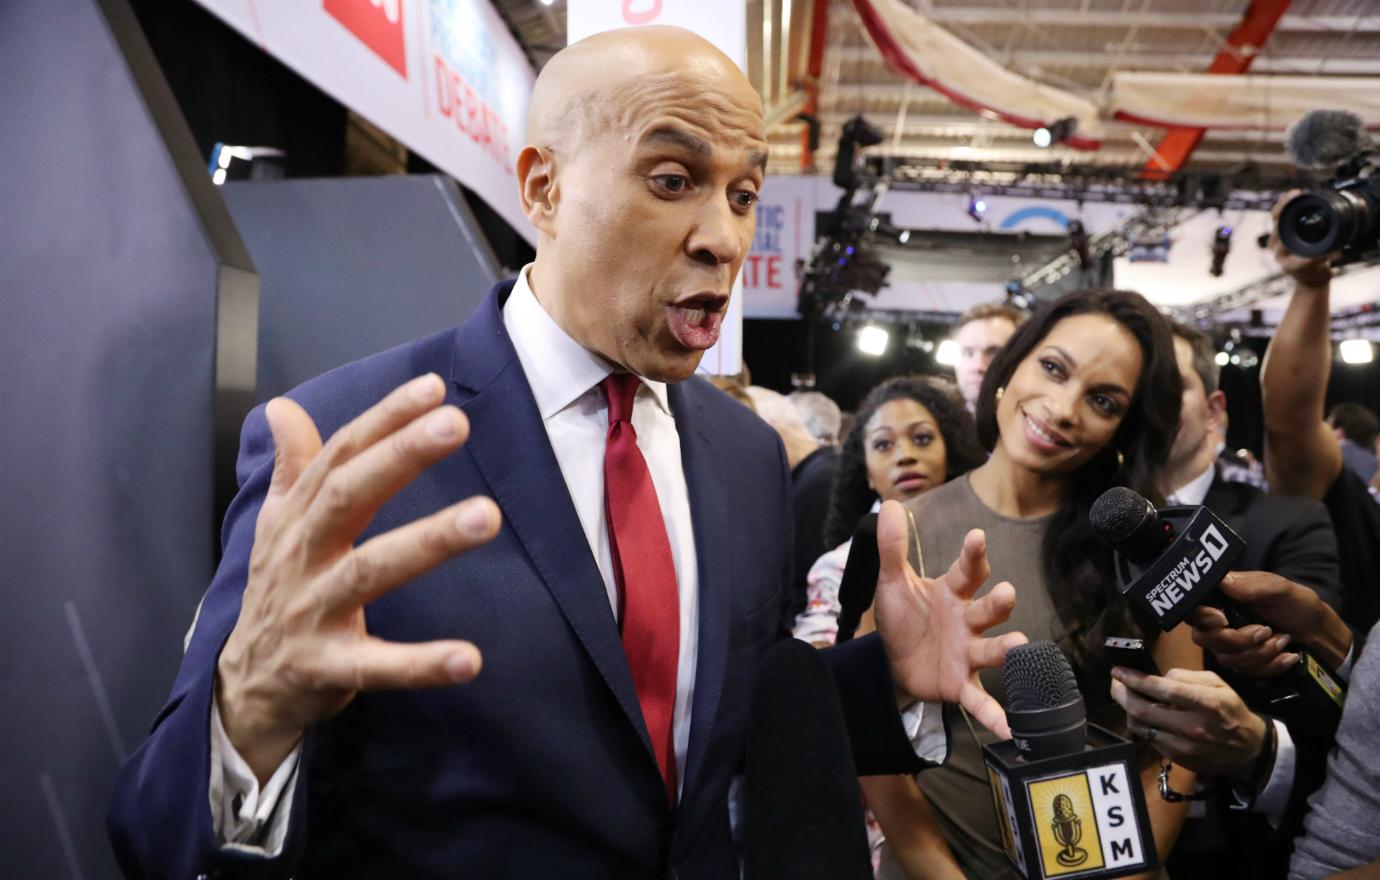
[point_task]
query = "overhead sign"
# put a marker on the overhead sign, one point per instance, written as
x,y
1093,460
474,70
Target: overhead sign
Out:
x,y
444,77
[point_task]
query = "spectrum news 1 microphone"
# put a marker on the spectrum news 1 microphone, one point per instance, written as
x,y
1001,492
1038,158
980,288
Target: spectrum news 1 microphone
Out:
x,y
1171,560
1067,793
802,807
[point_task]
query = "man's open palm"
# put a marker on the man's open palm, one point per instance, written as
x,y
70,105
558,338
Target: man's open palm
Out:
x,y
932,627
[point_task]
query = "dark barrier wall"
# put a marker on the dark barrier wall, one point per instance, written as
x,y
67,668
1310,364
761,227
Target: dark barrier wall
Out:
x,y
352,266
112,269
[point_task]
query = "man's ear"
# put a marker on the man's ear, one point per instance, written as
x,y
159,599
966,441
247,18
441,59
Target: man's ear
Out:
x,y
1217,409
536,175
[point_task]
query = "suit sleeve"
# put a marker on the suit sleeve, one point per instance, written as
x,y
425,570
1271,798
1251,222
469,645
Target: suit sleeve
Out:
x,y
1305,551
160,815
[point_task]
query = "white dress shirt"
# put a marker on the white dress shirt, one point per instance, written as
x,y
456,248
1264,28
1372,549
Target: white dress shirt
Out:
x,y
564,378
1274,797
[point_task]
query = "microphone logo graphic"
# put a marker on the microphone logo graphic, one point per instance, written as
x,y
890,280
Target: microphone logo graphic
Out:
x,y
1068,831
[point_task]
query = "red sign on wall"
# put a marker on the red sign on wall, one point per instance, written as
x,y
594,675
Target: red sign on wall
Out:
x,y
378,24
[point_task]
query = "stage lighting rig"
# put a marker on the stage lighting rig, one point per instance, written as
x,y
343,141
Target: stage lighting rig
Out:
x,y
1078,243
857,132
1221,246
1055,133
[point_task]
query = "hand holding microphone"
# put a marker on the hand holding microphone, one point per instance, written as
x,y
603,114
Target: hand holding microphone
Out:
x,y
1288,611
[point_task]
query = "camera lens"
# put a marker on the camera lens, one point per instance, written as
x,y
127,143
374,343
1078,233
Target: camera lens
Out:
x,y
1318,223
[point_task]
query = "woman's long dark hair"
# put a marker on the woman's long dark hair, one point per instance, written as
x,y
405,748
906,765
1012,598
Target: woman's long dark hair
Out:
x,y
1077,566
851,495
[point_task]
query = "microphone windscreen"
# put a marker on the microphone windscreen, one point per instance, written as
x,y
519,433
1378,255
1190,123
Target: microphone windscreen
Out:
x,y
1037,676
1117,513
802,807
1326,138
858,585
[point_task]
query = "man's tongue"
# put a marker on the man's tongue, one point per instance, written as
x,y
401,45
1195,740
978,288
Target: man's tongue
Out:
x,y
694,328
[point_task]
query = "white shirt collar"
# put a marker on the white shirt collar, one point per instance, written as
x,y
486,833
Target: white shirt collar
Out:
x,y
1195,490
559,369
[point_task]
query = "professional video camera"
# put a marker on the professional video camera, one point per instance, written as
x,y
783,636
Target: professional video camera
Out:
x,y
1343,214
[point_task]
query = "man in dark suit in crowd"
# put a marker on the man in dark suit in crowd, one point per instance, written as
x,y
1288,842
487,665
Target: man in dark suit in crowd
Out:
x,y
1293,538
622,584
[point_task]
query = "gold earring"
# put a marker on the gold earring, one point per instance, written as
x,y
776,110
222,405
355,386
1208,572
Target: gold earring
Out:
x,y
1120,460
1001,390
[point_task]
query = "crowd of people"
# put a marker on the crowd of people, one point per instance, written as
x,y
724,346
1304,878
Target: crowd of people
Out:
x,y
493,603
1051,408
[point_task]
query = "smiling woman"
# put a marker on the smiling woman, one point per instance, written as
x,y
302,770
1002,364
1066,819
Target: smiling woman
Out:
x,y
1084,396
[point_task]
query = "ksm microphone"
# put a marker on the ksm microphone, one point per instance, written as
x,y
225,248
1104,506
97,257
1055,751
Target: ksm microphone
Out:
x,y
802,807
1067,793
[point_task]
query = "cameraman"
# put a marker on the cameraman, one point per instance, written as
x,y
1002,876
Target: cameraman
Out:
x,y
1302,454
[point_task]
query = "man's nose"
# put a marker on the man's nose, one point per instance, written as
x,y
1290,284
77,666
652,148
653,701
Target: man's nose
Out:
x,y
718,237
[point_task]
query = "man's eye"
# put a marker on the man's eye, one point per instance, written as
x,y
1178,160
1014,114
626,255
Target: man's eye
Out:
x,y
745,198
673,182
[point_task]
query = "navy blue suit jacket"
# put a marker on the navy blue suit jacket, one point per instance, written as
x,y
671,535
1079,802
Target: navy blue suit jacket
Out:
x,y
542,766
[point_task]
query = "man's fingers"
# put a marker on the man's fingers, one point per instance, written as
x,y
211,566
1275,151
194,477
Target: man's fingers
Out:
x,y
391,559
1148,713
374,664
990,653
1232,641
295,442
1159,688
971,568
893,541
402,405
1205,617
983,707
992,609
353,492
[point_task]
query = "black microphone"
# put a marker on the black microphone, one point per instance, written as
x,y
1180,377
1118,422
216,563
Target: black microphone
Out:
x,y
1067,793
1326,139
858,586
802,807
1170,561
1043,705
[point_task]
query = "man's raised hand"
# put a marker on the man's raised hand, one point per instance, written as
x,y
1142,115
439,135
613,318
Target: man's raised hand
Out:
x,y
299,651
932,627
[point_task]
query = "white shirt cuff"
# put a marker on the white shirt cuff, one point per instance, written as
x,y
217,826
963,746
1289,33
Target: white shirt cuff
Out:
x,y
1344,671
924,726
246,818
1274,797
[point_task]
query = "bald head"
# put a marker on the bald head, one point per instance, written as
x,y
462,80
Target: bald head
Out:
x,y
600,84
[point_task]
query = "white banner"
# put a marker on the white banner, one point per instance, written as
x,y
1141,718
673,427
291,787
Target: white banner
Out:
x,y
444,77
721,22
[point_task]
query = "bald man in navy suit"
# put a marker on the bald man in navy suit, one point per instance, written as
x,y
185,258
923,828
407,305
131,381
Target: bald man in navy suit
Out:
x,y
330,718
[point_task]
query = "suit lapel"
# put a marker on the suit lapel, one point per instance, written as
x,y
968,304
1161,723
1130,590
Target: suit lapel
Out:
x,y
710,518
509,446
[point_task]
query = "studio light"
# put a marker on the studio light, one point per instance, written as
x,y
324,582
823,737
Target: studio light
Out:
x,y
1357,351
977,207
1056,133
947,355
873,340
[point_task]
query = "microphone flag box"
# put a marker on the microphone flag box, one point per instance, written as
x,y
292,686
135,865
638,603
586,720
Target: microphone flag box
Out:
x,y
1075,815
1182,577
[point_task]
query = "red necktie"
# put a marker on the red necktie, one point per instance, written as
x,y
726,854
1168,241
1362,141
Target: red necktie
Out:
x,y
644,572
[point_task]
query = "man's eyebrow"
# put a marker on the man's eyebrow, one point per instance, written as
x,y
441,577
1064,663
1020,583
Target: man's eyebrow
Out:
x,y
677,137
685,140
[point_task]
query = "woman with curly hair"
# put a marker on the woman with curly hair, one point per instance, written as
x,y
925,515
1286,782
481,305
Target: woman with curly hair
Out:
x,y
911,433
1085,396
